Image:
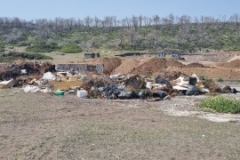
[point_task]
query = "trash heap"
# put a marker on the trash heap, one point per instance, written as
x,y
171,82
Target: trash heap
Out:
x,y
17,75
34,77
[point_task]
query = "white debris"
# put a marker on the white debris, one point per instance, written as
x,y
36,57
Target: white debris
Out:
x,y
49,76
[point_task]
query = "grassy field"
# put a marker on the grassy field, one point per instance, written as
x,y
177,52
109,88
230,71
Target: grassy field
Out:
x,y
43,126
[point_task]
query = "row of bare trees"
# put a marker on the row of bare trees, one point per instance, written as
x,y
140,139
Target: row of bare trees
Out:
x,y
136,32
112,21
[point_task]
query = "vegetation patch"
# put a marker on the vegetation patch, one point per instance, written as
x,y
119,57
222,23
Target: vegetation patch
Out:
x,y
14,55
1,48
220,80
71,48
23,43
43,47
221,104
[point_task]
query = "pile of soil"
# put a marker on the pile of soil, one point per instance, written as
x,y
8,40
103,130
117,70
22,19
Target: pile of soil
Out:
x,y
232,64
174,63
193,65
151,66
110,64
127,66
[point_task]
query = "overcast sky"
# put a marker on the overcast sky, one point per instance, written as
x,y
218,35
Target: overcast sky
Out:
x,y
50,9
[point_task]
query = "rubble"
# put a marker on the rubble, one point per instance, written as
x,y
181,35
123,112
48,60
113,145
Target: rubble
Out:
x,y
34,77
6,84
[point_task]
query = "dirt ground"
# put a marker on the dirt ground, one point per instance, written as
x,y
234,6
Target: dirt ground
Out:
x,y
44,126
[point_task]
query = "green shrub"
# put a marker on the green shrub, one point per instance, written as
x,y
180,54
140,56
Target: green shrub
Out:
x,y
14,55
71,48
42,46
221,104
220,80
1,47
10,47
23,43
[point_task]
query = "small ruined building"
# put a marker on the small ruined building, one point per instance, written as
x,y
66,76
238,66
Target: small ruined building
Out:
x,y
91,55
79,67
161,55
173,54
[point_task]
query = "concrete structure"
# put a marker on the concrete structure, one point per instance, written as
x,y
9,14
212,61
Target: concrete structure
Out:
x,y
79,67
91,55
161,55
174,54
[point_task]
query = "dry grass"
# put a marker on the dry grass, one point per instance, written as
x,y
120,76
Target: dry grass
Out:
x,y
42,126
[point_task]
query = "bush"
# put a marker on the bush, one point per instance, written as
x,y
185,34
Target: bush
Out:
x,y
71,48
221,104
1,47
23,43
220,80
14,55
43,47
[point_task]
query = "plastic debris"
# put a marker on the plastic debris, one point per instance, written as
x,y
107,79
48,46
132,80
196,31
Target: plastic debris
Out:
x,y
126,95
161,80
82,93
49,76
160,94
192,90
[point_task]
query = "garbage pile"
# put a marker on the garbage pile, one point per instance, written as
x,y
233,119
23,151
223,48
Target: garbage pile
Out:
x,y
17,75
35,77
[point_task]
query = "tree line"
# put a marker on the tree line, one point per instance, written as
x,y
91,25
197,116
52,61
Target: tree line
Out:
x,y
130,33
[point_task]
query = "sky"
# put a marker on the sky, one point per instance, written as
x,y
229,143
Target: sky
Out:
x,y
50,9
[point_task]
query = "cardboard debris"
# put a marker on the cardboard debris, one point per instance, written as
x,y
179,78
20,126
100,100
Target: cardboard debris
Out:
x,y
6,84
65,85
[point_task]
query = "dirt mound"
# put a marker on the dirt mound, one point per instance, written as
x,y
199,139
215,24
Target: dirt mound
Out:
x,y
110,64
168,75
151,66
174,63
127,66
196,65
234,58
232,64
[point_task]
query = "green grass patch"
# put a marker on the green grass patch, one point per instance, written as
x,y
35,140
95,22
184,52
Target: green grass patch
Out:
x,y
23,43
1,47
71,48
220,104
15,55
220,80
42,47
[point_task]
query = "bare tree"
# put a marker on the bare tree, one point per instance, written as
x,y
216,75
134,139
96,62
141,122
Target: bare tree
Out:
x,y
88,22
135,22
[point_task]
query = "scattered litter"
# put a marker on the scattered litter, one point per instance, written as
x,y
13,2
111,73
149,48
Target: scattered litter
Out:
x,y
31,89
160,94
59,93
135,82
192,90
161,80
82,93
49,76
6,84
126,95
149,85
